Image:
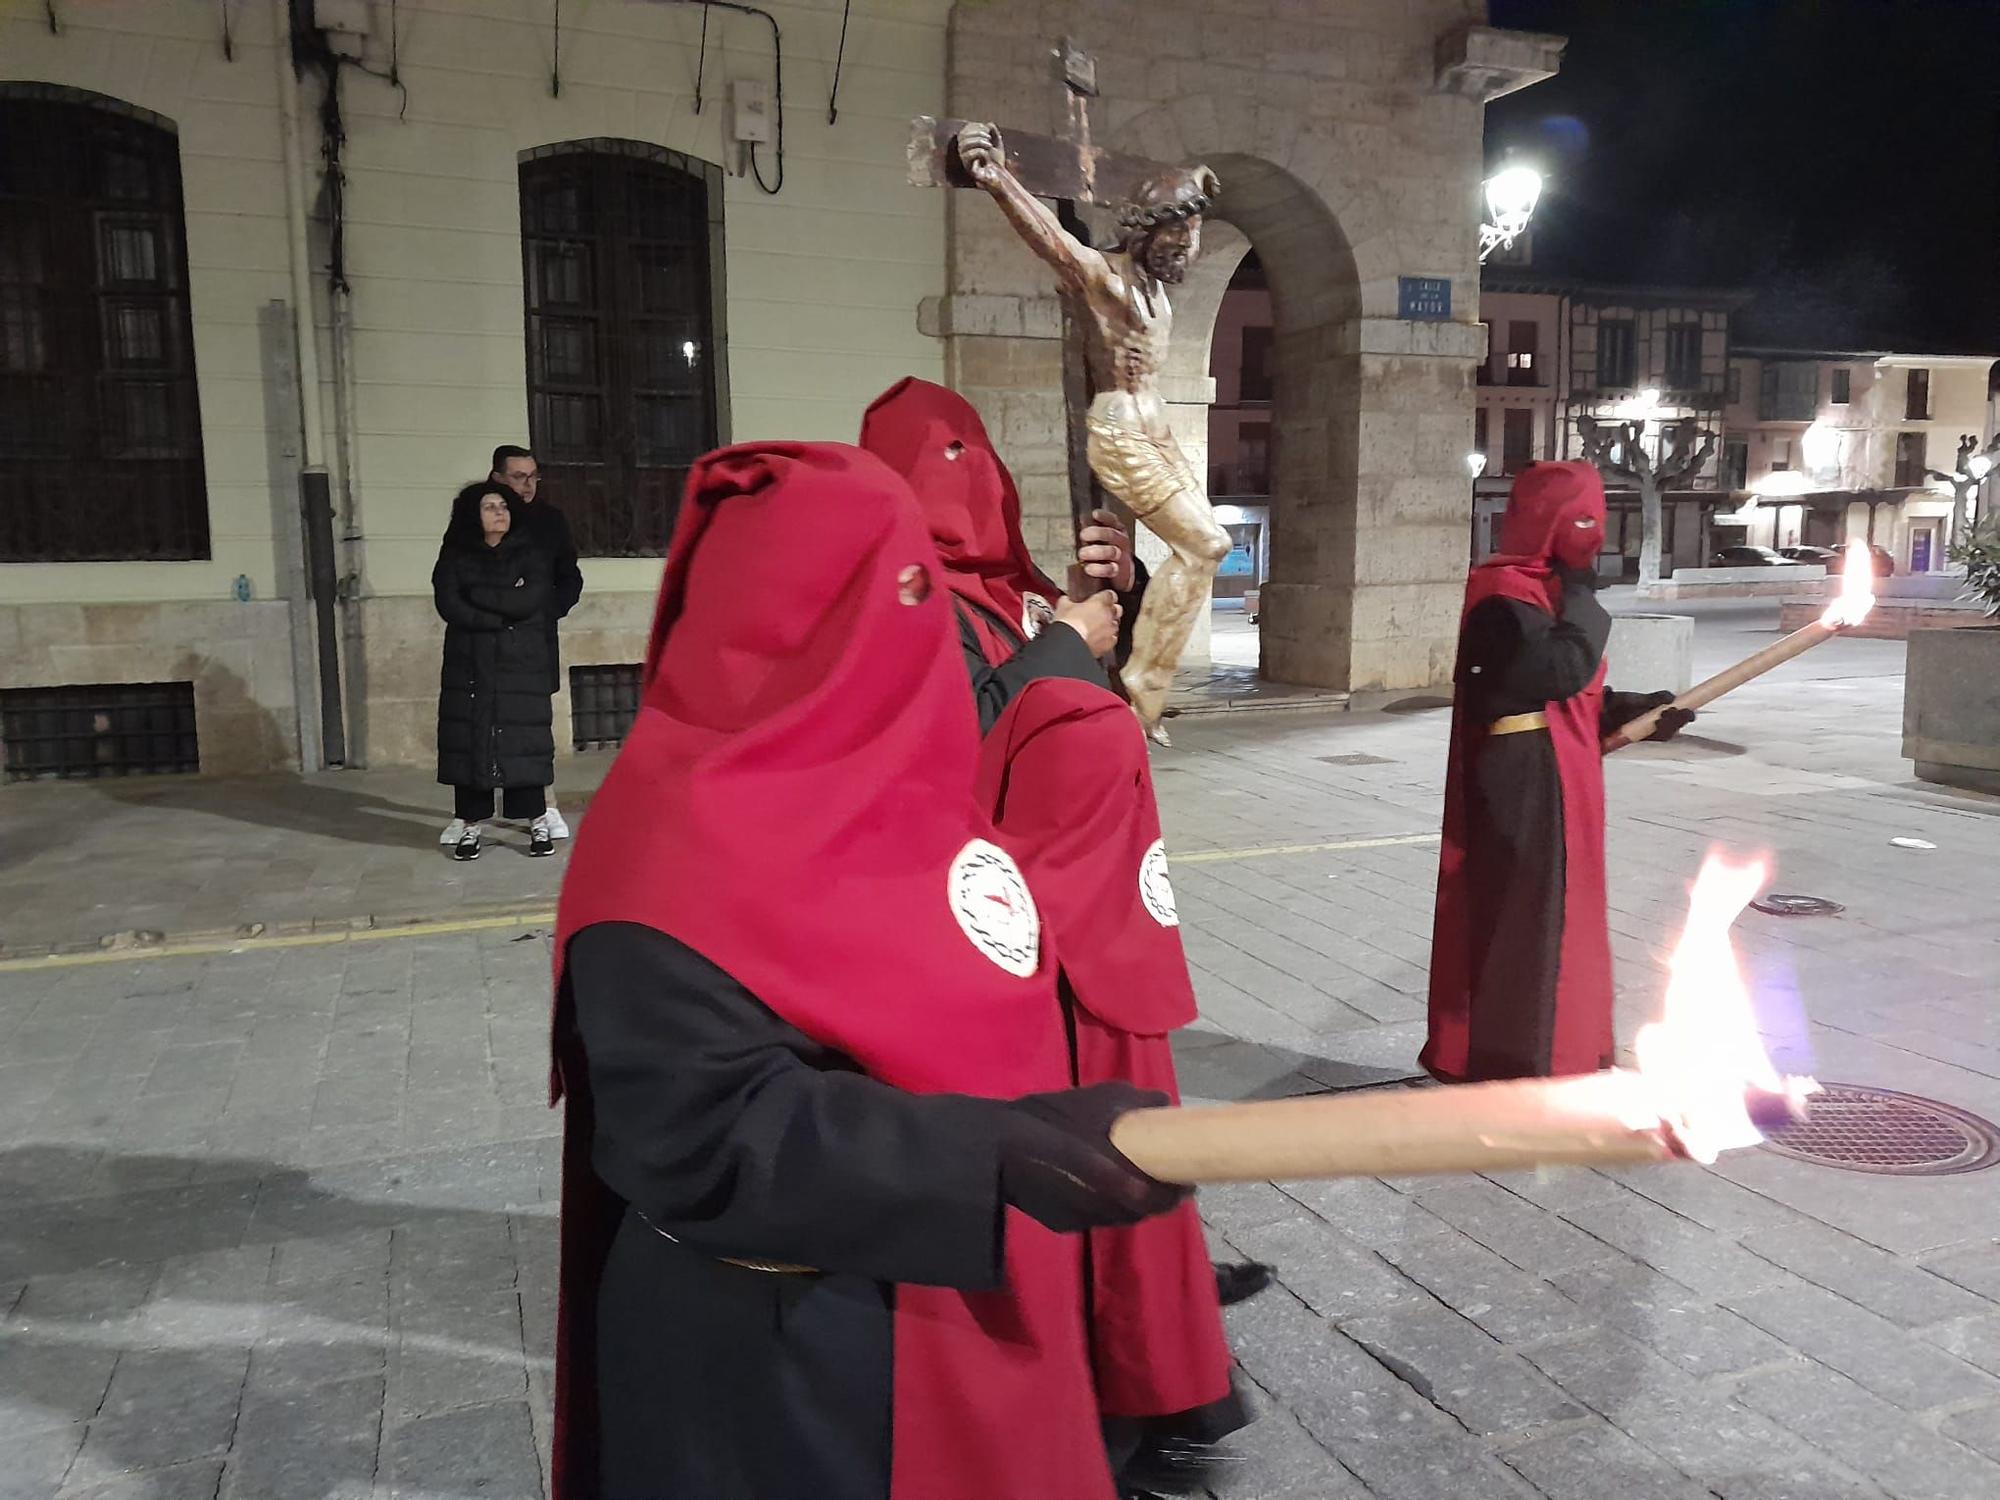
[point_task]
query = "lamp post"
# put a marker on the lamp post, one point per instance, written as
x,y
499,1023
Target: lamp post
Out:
x,y
1975,461
1511,195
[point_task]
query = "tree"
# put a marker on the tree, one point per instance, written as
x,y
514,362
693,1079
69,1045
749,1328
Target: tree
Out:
x,y
1971,470
1619,451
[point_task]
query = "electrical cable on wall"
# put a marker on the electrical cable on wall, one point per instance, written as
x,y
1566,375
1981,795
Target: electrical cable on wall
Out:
x,y
777,81
839,59
228,35
49,9
555,72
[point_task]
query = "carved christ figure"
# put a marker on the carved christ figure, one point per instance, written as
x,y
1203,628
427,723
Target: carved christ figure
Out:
x,y
1131,447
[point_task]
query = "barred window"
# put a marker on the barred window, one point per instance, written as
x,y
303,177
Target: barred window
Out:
x,y
100,433
620,260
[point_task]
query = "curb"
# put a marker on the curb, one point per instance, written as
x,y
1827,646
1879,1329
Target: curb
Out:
x,y
145,942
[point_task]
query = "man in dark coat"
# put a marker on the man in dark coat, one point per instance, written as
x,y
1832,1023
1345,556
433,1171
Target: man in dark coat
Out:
x,y
1521,952
491,588
543,526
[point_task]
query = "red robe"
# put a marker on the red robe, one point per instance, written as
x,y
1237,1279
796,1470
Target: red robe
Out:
x,y
1551,505
795,804
1064,775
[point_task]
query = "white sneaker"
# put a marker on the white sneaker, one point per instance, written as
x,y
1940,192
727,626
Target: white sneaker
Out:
x,y
453,832
553,821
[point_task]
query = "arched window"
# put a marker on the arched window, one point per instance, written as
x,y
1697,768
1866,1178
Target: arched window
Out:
x,y
100,433
620,263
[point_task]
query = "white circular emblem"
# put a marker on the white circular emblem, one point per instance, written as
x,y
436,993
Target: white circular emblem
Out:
x,y
1035,613
994,909
1155,889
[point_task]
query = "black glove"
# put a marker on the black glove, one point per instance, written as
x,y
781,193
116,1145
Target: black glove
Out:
x,y
1058,1166
1672,722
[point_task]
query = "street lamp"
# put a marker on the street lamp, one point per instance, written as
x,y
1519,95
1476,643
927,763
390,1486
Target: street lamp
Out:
x,y
1511,195
1475,464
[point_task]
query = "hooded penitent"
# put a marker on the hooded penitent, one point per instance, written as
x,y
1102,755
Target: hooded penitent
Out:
x,y
934,439
1557,1012
1064,775
795,804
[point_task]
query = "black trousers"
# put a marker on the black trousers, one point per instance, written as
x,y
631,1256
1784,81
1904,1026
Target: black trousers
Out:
x,y
475,803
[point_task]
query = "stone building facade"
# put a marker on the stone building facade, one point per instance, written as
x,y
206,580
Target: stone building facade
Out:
x,y
1348,138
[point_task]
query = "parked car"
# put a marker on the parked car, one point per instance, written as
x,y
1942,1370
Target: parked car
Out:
x,y
1835,558
1751,557
1828,557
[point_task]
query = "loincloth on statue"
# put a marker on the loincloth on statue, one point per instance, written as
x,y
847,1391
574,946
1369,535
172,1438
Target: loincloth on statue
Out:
x,y
1142,470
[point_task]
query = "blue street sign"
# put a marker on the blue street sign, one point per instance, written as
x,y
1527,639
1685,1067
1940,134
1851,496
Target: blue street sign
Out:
x,y
1426,299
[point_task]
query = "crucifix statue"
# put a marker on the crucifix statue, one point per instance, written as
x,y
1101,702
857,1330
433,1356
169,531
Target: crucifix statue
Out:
x,y
1117,298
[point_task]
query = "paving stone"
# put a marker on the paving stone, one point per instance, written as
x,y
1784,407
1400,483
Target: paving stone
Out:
x,y
1866,1433
1231,1206
1714,1202
1975,1267
1690,1425
483,1450
320,1440
164,1407
1454,1366
1669,1319
1506,1302
1978,1429
1886,1284
1871,1351
1677,1247
49,1381
1335,1276
1405,1466
1531,1237
456,1351
1595,1461
1559,1188
1797,1476
1281,1462
1974,1340
1366,1211
35,1462
190,1481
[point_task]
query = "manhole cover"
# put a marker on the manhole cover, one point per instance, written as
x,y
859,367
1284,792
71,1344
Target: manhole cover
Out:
x,y
1357,760
1861,1129
1775,905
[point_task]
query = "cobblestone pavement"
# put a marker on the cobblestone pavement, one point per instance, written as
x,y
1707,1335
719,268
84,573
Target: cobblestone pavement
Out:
x,y
279,1221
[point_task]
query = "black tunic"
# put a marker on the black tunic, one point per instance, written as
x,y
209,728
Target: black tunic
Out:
x,y
494,717
717,1129
1515,659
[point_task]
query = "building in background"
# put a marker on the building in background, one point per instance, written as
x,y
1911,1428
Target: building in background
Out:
x,y
1243,364
1823,447
1559,351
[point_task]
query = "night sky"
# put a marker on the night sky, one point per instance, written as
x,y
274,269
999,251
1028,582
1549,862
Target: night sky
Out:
x,y
1838,158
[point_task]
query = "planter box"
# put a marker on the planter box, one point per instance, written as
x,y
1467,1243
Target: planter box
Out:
x,y
1892,619
1650,653
1951,707
1736,583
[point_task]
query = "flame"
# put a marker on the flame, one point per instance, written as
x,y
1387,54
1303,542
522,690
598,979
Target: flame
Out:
x,y
1857,589
1703,1059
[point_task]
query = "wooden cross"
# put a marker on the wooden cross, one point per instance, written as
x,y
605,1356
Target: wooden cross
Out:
x,y
1070,169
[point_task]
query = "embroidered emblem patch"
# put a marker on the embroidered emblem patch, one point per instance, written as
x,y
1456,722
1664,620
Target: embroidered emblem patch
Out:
x,y
994,908
1155,889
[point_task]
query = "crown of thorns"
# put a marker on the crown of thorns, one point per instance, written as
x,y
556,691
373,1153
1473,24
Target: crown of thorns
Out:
x,y
1133,216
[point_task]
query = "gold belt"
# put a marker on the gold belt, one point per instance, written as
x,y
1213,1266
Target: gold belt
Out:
x,y
1518,723
770,1267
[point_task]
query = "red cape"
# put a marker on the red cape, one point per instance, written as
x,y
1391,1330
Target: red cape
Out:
x,y
794,803
934,439
1582,1033
1064,774
1065,778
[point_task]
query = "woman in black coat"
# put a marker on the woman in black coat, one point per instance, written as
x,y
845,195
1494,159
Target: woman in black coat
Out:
x,y
494,719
